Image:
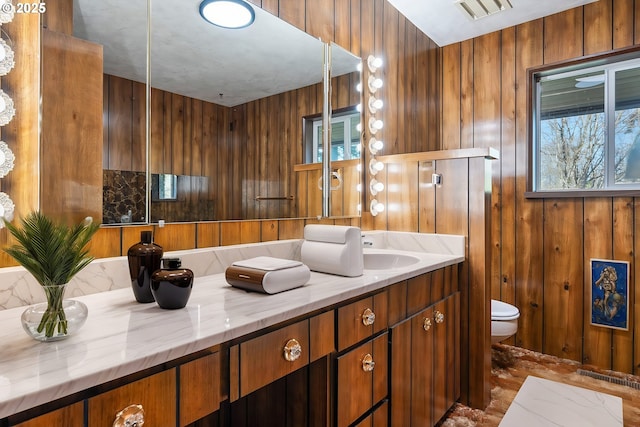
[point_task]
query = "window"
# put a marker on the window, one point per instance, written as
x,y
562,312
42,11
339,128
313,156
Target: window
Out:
x,y
345,137
586,127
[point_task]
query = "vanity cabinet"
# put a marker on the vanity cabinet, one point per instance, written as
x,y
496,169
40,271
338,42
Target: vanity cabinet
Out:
x,y
362,379
387,358
193,389
425,364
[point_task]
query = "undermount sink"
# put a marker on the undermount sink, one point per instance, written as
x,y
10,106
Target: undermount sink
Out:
x,y
384,261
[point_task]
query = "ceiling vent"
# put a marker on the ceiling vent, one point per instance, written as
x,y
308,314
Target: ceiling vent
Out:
x,y
477,9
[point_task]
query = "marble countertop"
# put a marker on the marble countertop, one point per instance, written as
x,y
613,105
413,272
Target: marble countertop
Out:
x,y
122,337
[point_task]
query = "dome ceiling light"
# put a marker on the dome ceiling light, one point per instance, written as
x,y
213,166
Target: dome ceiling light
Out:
x,y
231,14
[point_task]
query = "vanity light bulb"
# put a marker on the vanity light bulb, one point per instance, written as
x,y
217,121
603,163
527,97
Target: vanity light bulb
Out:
x,y
3,53
374,84
375,187
376,207
359,127
359,188
375,104
359,87
374,63
3,104
375,125
375,166
375,145
359,108
359,67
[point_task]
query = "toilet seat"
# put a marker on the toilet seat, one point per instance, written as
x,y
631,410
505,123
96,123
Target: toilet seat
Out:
x,y
501,311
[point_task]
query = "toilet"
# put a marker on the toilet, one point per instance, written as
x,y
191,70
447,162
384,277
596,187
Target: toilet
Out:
x,y
504,321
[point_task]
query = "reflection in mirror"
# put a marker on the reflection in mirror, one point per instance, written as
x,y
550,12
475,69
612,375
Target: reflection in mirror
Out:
x,y
225,111
124,105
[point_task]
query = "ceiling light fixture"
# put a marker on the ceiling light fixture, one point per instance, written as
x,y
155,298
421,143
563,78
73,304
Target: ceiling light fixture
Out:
x,y
227,13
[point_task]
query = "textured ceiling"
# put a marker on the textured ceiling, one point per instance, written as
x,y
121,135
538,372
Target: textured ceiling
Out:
x,y
194,58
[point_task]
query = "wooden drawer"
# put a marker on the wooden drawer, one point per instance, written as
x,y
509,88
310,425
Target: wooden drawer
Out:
x,y
200,388
260,361
156,394
353,325
69,416
360,389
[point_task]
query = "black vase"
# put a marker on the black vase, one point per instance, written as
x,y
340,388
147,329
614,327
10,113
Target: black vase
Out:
x,y
171,285
144,258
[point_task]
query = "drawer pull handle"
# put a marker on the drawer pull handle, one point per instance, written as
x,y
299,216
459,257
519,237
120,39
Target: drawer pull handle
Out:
x,y
367,363
426,324
131,416
368,317
292,350
438,316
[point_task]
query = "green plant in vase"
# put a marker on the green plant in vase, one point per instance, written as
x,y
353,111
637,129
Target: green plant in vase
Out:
x,y
53,253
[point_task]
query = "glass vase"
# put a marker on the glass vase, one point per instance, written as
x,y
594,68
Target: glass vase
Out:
x,y
55,319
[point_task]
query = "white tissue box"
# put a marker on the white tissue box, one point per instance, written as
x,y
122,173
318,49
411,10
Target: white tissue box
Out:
x,y
267,274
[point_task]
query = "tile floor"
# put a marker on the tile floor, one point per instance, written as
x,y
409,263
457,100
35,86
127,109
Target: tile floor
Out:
x,y
512,365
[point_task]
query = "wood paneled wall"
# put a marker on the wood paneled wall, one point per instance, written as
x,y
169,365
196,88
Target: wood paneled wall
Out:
x,y
541,247
243,152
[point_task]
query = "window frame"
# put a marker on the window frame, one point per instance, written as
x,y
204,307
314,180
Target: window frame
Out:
x,y
609,61
311,123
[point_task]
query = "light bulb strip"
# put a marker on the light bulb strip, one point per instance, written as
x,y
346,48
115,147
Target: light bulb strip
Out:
x,y
374,124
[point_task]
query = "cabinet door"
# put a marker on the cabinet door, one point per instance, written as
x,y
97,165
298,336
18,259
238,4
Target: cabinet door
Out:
x,y
425,365
200,388
69,416
421,379
156,394
362,379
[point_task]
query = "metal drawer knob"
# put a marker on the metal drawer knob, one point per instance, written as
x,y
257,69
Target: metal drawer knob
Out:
x,y
367,363
131,416
438,316
426,324
368,317
292,350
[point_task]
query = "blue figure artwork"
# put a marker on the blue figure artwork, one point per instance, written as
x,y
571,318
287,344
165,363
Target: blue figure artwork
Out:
x,y
609,291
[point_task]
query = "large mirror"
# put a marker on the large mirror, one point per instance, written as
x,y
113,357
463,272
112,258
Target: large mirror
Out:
x,y
227,114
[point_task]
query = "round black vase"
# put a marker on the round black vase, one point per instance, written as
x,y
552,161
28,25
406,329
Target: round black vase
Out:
x,y
144,258
171,285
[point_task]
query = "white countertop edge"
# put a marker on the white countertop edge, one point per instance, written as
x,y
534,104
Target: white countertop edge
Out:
x,y
28,380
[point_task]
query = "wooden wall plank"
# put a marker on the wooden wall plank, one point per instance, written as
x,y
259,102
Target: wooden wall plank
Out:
x,y
320,19
623,250
451,96
120,123
507,214
563,36
598,232
139,128
598,27
293,12
622,23
528,254
402,196
467,77
208,234
563,277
